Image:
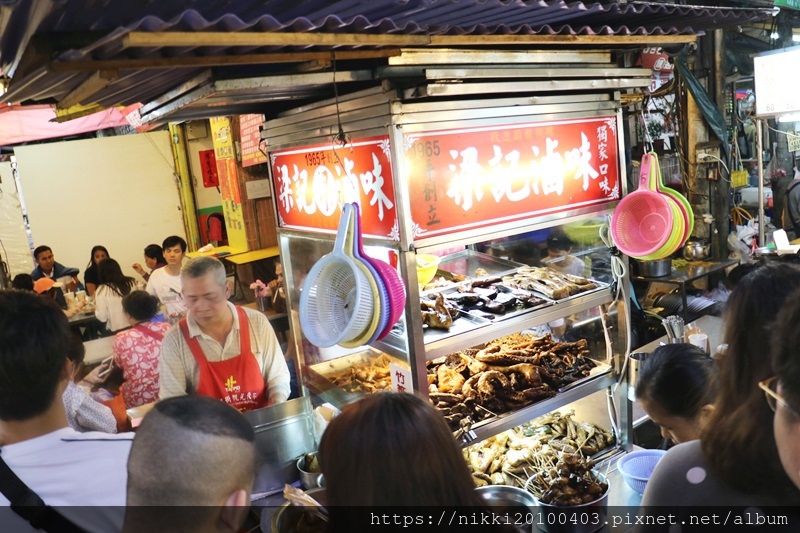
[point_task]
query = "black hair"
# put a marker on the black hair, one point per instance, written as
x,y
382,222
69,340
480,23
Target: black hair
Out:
x,y
140,305
154,251
23,282
206,415
740,271
785,336
91,256
40,249
34,333
173,240
109,273
558,241
680,378
76,351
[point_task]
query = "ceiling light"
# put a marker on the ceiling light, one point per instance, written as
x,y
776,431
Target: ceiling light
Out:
x,y
775,35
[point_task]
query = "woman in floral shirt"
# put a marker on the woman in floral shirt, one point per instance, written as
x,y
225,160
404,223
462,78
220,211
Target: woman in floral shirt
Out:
x,y
138,349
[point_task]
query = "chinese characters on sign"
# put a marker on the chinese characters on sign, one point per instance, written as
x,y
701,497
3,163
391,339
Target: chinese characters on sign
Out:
x,y
208,167
228,182
401,378
251,139
312,183
472,177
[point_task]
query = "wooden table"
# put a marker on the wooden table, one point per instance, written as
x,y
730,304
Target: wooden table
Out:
x,y
219,252
245,258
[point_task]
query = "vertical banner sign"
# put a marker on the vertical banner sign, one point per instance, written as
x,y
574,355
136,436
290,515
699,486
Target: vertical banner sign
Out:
x,y
312,183
251,139
228,182
473,177
208,167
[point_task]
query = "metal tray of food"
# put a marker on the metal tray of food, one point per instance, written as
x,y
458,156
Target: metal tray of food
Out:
x,y
465,322
600,286
511,311
362,372
466,263
600,370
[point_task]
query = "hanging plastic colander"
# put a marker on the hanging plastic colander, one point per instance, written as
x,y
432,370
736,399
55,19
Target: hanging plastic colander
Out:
x,y
370,332
657,183
336,303
386,304
642,221
675,240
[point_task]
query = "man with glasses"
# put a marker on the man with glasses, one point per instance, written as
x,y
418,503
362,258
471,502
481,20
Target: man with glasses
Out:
x,y
783,389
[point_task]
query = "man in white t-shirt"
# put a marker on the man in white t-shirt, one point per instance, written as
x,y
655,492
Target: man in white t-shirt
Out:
x,y
69,471
165,283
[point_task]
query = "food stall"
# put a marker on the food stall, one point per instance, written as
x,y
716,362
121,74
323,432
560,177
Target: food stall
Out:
x,y
478,179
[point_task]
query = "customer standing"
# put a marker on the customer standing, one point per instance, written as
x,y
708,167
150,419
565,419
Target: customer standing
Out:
x,y
137,350
165,283
114,285
735,462
91,277
153,258
221,350
783,389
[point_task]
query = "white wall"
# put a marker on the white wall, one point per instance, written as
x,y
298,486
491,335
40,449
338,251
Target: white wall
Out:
x,y
119,192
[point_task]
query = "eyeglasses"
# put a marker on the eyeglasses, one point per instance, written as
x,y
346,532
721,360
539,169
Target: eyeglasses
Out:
x,y
769,387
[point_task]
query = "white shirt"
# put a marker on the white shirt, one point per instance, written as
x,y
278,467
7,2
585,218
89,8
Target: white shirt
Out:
x,y
168,290
109,308
68,469
178,370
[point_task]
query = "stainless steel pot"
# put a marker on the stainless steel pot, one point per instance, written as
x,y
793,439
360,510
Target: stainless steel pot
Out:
x,y
654,269
510,502
697,250
584,518
287,516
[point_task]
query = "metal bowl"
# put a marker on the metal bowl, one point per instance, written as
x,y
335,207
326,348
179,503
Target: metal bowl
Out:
x,y
287,516
509,501
584,518
696,250
654,269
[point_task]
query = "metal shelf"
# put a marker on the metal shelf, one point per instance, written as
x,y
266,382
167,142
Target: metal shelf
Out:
x,y
513,419
496,330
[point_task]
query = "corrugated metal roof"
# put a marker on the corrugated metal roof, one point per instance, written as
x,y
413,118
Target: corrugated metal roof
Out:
x,y
107,22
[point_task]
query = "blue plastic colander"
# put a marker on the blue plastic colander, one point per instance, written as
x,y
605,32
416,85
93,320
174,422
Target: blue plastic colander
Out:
x,y
637,467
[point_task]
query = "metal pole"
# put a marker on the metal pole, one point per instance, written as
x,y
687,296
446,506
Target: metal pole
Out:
x,y
760,151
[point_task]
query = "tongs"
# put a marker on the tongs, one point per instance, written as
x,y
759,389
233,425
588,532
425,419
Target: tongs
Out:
x,y
298,497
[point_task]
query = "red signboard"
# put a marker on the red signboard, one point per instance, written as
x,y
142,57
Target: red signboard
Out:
x,y
312,183
208,168
251,140
472,177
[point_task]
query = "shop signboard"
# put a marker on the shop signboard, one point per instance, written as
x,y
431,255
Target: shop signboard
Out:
x,y
312,183
251,139
793,140
468,178
775,85
228,182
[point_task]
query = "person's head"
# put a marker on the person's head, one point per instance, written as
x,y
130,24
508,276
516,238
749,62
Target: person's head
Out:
x,y
44,258
196,455
98,254
34,335
76,351
141,306
677,387
23,282
738,440
47,287
153,256
205,288
559,244
109,273
786,386
393,449
174,248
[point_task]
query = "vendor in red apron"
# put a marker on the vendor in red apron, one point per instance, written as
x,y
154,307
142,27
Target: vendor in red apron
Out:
x,y
219,349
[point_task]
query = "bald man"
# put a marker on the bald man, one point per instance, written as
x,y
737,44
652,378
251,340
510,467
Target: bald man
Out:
x,y
191,468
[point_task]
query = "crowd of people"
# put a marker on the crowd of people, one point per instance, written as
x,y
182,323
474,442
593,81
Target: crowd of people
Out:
x,y
734,419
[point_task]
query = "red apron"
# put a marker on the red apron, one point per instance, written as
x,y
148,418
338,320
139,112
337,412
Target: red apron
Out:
x,y
237,381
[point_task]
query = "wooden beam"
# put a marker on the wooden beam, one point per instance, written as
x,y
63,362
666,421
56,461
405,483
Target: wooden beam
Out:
x,y
199,39
139,39
87,88
215,61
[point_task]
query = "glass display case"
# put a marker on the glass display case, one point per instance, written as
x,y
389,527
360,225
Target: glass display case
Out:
x,y
531,322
